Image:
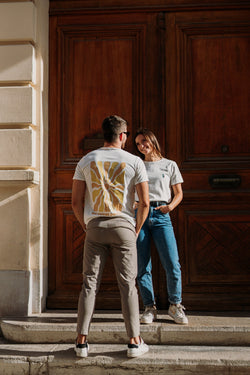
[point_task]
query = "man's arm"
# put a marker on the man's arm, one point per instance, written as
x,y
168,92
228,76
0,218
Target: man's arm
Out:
x,y
143,205
78,195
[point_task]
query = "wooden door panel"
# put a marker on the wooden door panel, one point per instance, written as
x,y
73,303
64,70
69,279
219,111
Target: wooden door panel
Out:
x,y
95,67
211,67
220,92
209,139
215,257
218,255
99,65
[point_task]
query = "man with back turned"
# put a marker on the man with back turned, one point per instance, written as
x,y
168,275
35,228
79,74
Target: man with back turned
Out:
x,y
103,192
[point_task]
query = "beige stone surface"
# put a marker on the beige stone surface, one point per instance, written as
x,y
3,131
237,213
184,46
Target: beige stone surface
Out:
x,y
11,188
14,231
15,175
109,357
17,21
108,327
19,226
16,62
16,147
16,105
34,240
112,360
24,29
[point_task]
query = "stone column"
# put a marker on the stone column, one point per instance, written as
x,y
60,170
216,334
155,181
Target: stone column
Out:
x,y
23,156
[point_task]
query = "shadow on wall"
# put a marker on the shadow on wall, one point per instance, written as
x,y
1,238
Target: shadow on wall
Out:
x,y
14,249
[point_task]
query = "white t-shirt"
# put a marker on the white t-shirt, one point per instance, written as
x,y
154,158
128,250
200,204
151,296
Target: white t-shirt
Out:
x,y
162,174
110,175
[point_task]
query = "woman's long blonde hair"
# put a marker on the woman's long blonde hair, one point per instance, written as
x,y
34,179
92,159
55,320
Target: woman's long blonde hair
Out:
x,y
150,137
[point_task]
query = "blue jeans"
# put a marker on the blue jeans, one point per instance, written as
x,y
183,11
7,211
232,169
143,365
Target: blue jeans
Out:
x,y
159,227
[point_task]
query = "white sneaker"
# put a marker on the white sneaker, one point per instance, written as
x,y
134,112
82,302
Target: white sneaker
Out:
x,y
176,312
134,350
149,315
82,350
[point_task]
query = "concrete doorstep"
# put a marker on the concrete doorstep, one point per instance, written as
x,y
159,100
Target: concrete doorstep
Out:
x,y
215,344
108,327
60,359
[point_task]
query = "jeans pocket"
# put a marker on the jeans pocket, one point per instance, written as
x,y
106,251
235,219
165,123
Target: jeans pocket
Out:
x,y
160,213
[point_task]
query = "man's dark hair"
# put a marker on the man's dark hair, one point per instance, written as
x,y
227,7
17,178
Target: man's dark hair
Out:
x,y
112,127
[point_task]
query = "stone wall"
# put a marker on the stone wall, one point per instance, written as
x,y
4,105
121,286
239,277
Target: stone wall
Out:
x,y
23,156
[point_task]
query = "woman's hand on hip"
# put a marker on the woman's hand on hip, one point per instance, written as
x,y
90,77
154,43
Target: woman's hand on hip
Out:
x,y
165,209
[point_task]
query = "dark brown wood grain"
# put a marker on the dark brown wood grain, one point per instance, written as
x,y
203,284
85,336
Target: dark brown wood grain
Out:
x,y
185,75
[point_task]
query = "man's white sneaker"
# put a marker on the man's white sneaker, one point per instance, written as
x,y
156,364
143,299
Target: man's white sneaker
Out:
x,y
149,315
176,312
82,350
134,350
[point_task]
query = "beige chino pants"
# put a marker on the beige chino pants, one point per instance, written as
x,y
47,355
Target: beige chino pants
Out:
x,y
118,236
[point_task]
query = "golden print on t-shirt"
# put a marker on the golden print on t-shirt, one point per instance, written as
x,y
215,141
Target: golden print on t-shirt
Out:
x,y
107,186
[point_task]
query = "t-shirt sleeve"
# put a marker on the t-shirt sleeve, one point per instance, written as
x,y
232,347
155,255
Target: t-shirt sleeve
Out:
x,y
141,173
176,177
79,175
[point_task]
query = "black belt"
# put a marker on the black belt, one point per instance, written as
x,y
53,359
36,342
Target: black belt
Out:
x,y
157,203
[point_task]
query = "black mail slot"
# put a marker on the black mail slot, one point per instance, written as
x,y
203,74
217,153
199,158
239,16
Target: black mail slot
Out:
x,y
226,181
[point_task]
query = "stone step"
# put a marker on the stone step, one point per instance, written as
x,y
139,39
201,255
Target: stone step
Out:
x,y
60,359
108,327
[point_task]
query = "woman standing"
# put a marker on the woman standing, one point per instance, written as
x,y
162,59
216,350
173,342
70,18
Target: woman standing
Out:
x,y
162,174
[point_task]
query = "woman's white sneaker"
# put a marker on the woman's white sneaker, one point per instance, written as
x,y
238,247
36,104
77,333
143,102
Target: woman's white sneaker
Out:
x,y
176,312
149,315
82,350
135,350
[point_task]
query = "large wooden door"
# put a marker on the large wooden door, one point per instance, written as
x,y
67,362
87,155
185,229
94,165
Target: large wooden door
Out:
x,y
208,133
185,75
100,64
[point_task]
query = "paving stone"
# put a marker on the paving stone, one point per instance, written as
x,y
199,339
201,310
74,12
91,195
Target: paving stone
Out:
x,y
41,359
216,344
108,327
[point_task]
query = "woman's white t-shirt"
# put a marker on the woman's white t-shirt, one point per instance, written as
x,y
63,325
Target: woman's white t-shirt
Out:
x,y
162,174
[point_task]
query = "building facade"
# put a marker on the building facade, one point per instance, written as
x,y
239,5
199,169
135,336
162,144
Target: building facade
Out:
x,y
179,67
24,30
